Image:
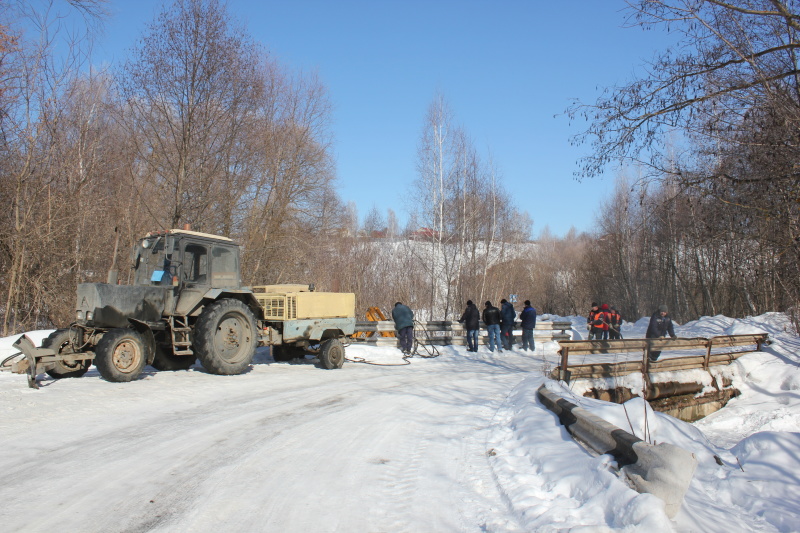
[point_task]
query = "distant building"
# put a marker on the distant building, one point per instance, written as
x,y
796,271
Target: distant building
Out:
x,y
424,234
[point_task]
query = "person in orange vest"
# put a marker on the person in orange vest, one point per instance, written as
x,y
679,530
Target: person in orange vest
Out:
x,y
605,320
615,328
594,323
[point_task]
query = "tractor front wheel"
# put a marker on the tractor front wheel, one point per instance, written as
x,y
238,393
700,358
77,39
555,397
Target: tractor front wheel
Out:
x,y
59,342
120,355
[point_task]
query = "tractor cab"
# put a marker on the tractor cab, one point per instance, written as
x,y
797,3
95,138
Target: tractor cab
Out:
x,y
189,262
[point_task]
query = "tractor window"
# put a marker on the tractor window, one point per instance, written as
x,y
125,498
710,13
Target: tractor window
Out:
x,y
225,269
195,264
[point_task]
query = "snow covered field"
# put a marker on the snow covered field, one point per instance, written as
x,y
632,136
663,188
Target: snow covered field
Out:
x,y
455,443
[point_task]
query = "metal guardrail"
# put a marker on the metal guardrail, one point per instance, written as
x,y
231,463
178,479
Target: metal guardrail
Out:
x,y
565,372
447,332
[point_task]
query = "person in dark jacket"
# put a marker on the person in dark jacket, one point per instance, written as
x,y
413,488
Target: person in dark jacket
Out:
x,y
528,322
491,318
507,318
471,320
660,326
403,318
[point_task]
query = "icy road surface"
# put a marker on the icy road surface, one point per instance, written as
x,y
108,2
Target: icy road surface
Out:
x,y
284,447
457,443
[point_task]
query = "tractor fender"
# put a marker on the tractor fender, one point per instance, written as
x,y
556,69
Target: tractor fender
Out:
x,y
245,296
147,334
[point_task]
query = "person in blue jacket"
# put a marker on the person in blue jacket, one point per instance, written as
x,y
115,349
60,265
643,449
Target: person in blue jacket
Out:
x,y
528,319
403,318
507,318
660,326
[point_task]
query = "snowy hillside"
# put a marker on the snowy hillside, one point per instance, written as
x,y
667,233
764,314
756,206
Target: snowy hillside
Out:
x,y
453,443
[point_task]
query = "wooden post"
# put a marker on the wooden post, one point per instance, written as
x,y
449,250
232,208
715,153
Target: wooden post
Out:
x,y
708,354
564,357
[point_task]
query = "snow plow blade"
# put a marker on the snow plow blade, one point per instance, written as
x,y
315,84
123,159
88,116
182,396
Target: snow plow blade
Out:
x,y
36,361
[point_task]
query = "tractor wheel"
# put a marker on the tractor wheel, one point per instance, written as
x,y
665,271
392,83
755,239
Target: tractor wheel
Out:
x,y
225,337
331,354
165,360
286,352
120,355
59,341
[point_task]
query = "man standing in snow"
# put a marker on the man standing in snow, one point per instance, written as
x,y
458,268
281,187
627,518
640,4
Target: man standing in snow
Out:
x,y
471,320
528,319
507,318
403,318
594,322
660,325
491,318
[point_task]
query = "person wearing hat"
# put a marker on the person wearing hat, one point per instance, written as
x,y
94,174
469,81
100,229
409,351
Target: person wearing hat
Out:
x,y
597,323
660,326
491,318
471,320
604,320
528,323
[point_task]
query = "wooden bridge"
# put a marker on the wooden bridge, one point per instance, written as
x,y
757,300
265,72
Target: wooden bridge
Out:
x,y
704,357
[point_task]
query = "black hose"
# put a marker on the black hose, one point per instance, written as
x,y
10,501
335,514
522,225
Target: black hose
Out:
x,y
9,358
430,349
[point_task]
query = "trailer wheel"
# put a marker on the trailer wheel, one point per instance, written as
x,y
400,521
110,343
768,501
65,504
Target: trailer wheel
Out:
x,y
225,337
331,354
166,360
120,355
60,343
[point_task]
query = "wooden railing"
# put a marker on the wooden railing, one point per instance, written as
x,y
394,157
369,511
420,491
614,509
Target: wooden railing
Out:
x,y
703,360
444,333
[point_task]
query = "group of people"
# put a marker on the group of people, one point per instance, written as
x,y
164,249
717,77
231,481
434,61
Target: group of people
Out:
x,y
499,325
604,322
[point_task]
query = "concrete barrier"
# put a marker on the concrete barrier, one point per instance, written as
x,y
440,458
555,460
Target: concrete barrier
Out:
x,y
663,470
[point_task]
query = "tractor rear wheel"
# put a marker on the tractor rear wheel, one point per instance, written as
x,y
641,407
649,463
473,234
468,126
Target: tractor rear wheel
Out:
x,y
120,355
60,343
225,337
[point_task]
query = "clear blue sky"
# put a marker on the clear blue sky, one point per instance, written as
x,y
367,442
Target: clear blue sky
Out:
x,y
507,68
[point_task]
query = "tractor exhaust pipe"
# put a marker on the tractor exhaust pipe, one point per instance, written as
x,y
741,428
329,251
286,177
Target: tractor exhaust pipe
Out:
x,y
113,273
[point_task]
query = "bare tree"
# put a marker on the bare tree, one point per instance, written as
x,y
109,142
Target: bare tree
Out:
x,y
36,181
190,89
716,116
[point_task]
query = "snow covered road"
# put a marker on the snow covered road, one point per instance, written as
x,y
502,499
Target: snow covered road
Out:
x,y
285,447
457,443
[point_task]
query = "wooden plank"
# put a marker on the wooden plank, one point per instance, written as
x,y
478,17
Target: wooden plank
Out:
x,y
622,368
586,347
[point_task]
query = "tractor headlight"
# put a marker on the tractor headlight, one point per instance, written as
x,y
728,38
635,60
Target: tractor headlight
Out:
x,y
89,315
79,315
